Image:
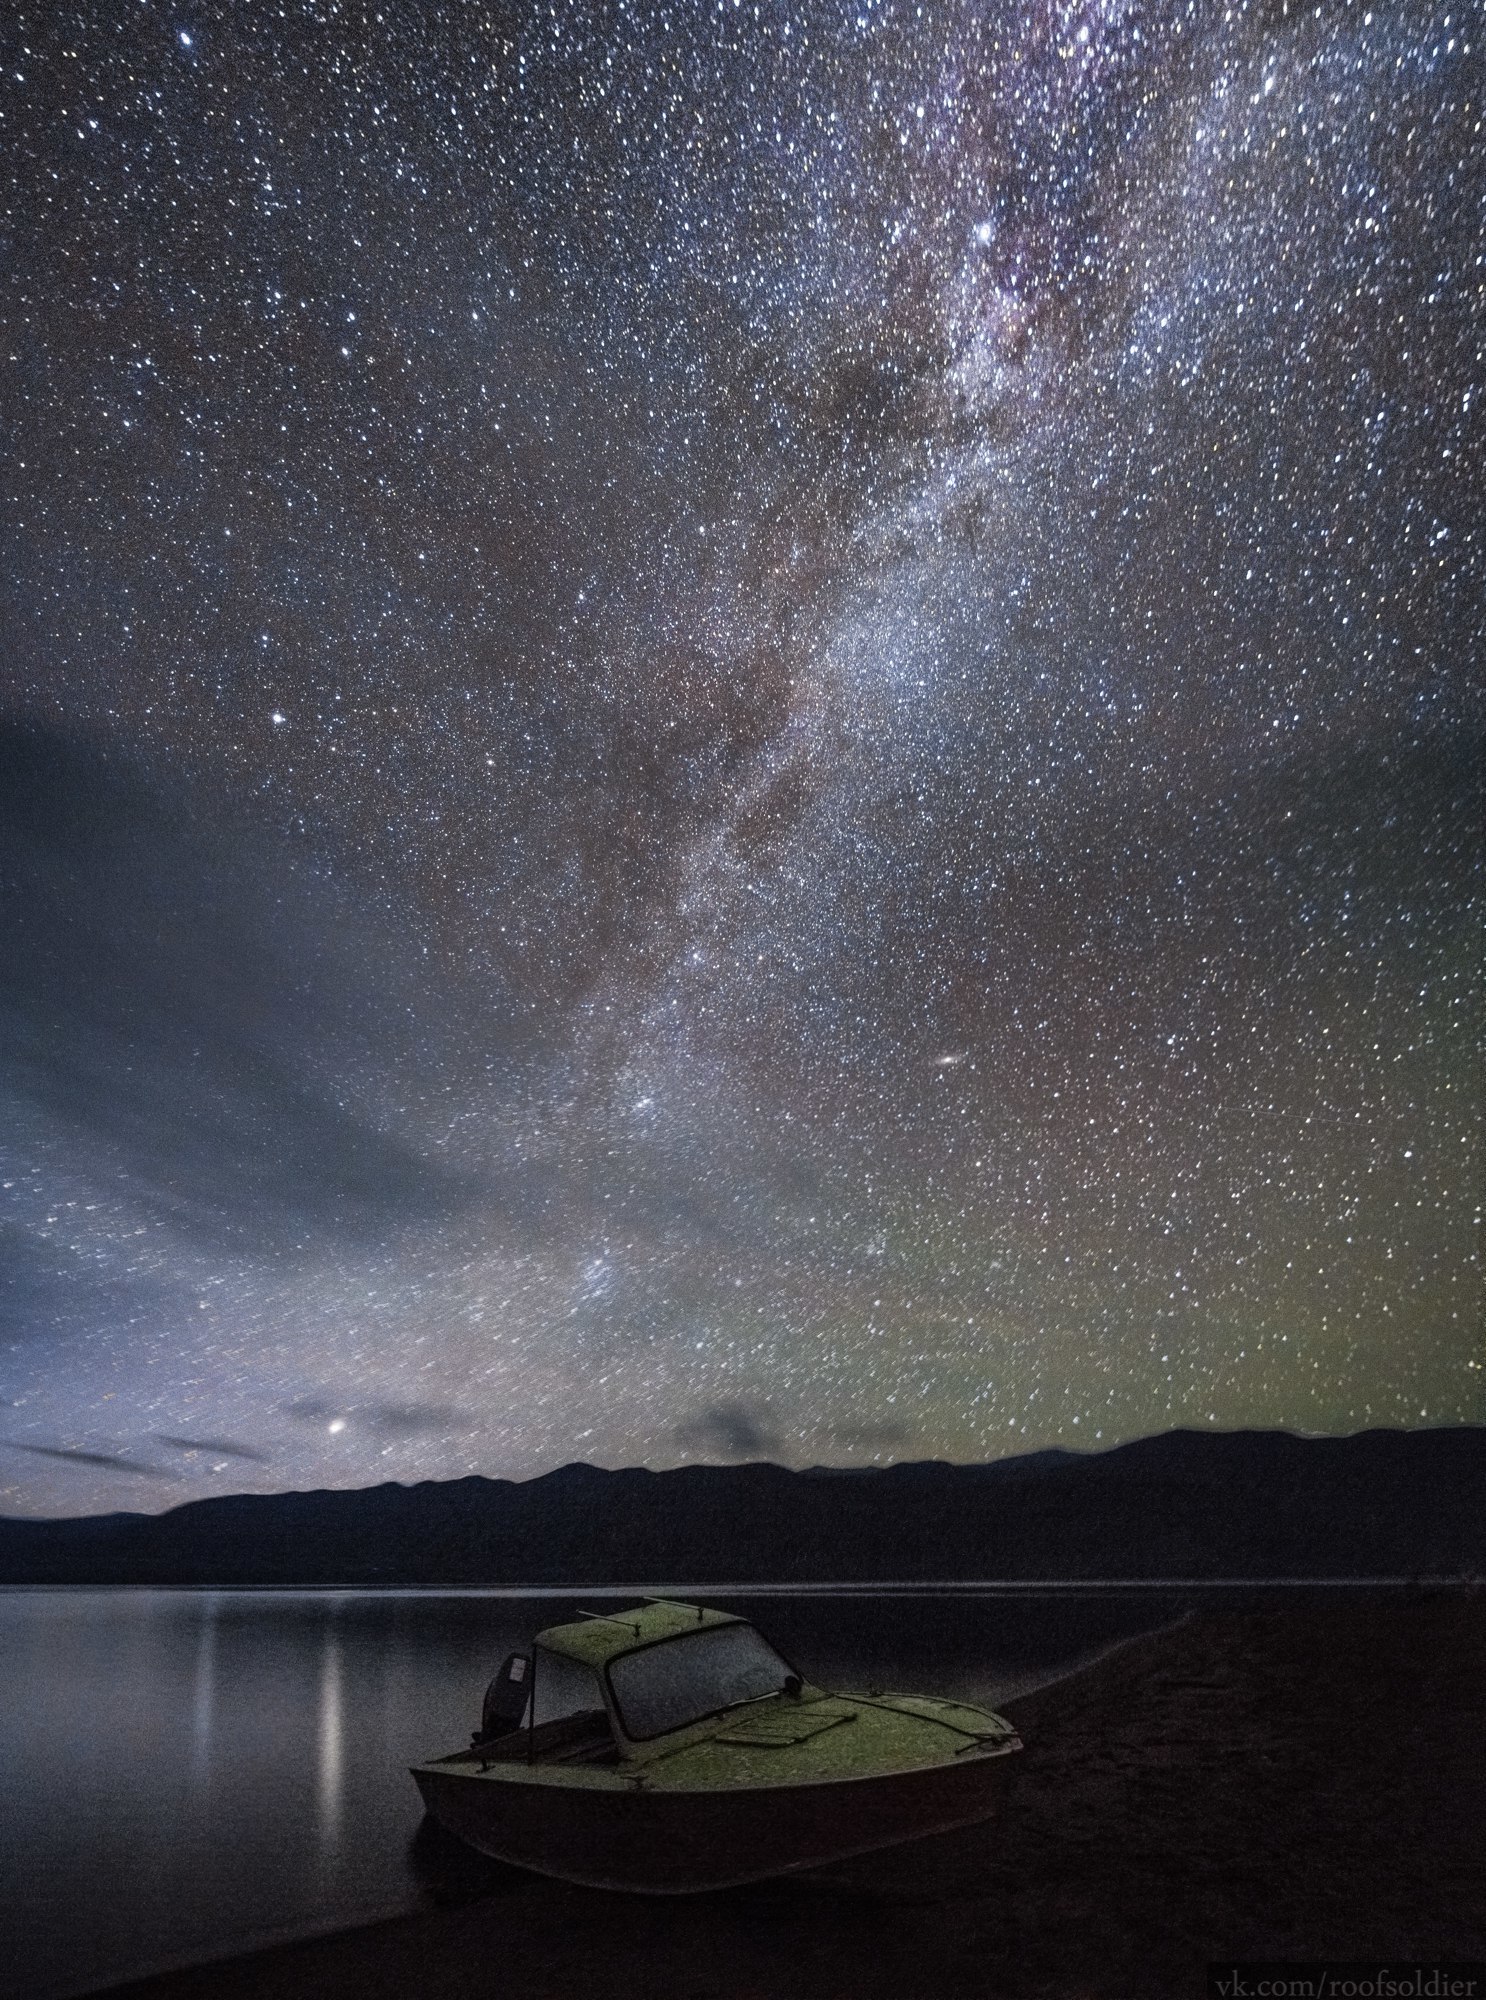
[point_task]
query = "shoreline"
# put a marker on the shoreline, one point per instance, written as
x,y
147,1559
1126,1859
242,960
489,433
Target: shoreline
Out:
x,y
1276,1784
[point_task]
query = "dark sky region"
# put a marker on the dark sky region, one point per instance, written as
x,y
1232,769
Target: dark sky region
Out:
x,y
733,731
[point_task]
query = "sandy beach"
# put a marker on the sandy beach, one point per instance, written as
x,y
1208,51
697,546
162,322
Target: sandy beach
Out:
x,y
1294,1784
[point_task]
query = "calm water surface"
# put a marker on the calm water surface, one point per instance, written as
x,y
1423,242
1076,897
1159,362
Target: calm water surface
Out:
x,y
187,1773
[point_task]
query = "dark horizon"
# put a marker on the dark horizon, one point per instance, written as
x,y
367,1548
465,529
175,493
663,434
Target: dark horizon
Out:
x,y
1043,1455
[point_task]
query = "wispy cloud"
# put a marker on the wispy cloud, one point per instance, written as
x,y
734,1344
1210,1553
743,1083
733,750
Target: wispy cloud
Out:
x,y
105,1461
387,1419
727,1430
182,1009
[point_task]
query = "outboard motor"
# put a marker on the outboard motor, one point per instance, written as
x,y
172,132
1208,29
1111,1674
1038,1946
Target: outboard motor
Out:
x,y
505,1700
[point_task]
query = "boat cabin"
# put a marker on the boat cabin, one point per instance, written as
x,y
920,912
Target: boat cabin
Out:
x,y
606,1688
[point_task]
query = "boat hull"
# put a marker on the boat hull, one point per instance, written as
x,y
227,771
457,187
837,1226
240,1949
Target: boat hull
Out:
x,y
658,1841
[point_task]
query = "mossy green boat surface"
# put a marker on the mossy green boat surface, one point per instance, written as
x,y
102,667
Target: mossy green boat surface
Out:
x,y
669,1748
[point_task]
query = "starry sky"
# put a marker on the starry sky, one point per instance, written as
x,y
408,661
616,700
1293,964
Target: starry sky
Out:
x,y
733,731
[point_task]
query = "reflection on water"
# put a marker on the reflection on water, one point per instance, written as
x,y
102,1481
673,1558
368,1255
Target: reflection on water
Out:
x,y
329,1729
206,1686
190,1772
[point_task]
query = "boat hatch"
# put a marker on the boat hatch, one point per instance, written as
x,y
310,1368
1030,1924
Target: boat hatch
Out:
x,y
768,1729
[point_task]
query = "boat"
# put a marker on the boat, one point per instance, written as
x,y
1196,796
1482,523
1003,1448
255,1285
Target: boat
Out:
x,y
670,1749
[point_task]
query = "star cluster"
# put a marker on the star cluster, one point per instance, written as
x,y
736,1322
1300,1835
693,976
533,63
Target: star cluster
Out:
x,y
733,730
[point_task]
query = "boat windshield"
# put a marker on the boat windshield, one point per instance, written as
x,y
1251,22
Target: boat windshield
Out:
x,y
667,1686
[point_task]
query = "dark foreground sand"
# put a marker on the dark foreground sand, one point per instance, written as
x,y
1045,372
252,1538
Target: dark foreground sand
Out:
x,y
1308,1783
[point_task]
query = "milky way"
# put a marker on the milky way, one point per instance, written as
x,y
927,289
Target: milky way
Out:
x,y
733,732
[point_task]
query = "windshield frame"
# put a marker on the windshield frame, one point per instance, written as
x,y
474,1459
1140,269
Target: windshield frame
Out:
x,y
616,1707
541,1654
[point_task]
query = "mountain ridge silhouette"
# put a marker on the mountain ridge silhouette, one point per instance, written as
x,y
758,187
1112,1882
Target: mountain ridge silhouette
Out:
x,y
1179,1504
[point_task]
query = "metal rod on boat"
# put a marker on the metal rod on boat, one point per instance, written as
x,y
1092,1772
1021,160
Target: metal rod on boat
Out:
x,y
623,1623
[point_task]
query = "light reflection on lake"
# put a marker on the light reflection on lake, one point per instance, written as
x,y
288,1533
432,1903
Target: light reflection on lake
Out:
x,y
329,1730
187,1773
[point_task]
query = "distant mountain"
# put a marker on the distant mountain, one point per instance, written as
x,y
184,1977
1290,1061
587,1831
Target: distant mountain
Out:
x,y
1185,1504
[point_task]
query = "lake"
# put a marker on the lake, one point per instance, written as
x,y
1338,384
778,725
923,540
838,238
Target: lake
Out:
x,y
189,1773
